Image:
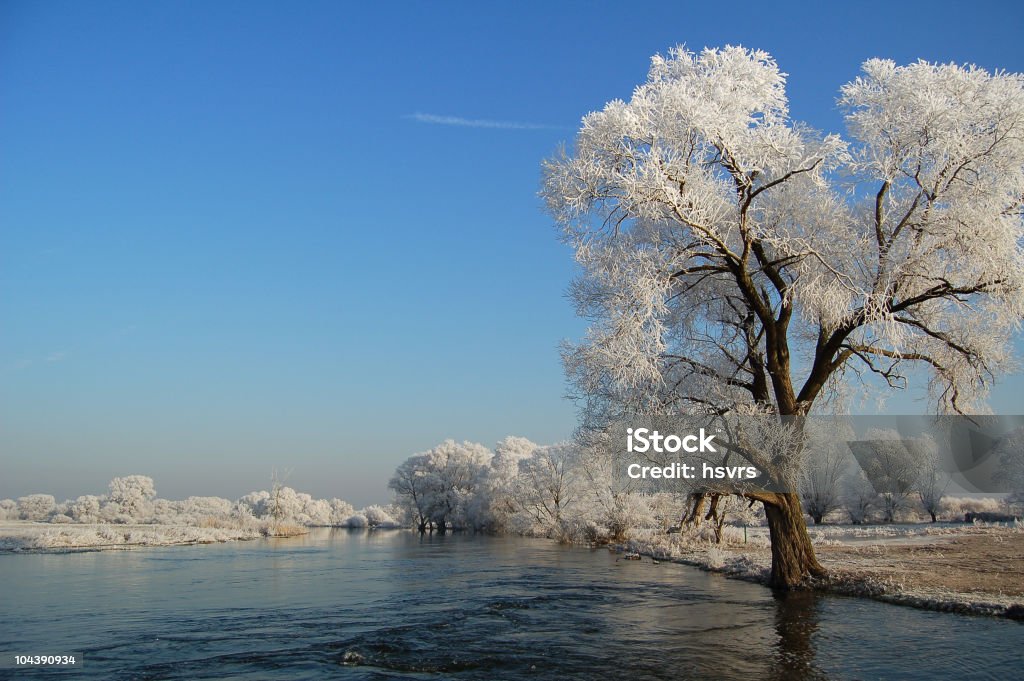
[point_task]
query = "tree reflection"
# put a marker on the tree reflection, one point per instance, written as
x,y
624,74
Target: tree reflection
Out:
x,y
797,618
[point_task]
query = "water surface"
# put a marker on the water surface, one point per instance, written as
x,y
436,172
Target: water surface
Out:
x,y
390,605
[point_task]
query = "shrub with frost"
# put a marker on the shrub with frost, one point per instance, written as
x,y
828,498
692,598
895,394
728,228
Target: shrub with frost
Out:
x,y
715,557
377,516
356,520
627,512
954,508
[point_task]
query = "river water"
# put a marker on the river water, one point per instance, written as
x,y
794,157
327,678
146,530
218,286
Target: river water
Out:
x,y
392,605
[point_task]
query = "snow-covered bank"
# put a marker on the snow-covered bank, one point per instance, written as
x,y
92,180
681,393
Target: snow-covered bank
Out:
x,y
33,536
967,569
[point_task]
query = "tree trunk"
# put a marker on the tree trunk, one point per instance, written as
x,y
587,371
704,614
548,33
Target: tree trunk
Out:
x,y
932,514
696,513
717,518
817,518
793,558
713,511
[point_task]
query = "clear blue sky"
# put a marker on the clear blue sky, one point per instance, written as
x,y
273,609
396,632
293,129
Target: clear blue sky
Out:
x,y
228,243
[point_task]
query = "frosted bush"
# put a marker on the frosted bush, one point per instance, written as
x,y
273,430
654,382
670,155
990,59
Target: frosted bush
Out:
x,y
715,557
627,512
737,535
357,520
954,508
376,516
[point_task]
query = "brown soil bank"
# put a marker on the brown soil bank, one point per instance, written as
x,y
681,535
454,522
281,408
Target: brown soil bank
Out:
x,y
990,563
980,570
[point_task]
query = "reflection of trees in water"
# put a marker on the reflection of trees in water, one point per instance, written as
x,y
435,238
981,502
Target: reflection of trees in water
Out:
x,y
796,621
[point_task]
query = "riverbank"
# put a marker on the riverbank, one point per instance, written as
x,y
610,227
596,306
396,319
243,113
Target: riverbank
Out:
x,y
968,569
32,536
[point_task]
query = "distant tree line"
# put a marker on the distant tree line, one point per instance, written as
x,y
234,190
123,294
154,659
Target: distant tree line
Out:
x,y
133,499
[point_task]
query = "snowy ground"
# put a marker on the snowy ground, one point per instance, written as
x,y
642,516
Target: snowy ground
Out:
x,y
953,567
29,536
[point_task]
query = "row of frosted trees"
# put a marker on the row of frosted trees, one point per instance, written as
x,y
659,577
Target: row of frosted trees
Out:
x,y
133,499
565,491
897,478
568,491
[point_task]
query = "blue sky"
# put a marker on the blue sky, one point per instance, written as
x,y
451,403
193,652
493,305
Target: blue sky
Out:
x,y
236,236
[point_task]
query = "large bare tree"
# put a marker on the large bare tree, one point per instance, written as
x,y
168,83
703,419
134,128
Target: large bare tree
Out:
x,y
733,259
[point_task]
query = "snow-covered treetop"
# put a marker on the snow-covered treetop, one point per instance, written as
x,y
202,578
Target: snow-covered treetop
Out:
x,y
734,256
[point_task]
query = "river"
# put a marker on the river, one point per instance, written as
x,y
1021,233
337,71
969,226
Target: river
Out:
x,y
391,605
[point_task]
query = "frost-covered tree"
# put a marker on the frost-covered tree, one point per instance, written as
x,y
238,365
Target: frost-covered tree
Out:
x,y
85,508
548,485
932,483
255,504
8,509
605,502
821,477
893,466
820,486
414,489
458,470
734,259
340,510
36,506
1009,451
859,497
318,512
438,487
132,493
284,503
502,477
